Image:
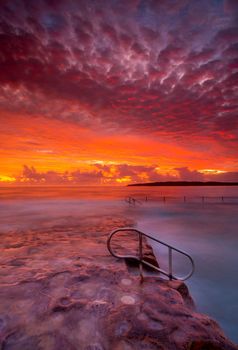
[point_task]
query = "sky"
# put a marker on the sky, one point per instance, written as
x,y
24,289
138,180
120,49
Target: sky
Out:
x,y
106,92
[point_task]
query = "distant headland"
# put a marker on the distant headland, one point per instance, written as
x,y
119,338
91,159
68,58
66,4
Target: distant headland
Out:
x,y
186,183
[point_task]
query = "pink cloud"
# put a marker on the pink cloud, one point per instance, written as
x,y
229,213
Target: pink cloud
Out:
x,y
186,174
109,174
157,67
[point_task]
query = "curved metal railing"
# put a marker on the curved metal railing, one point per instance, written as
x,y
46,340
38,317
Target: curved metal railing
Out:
x,y
140,257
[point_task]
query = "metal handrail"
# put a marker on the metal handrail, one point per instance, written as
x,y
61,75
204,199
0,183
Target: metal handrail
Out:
x,y
142,261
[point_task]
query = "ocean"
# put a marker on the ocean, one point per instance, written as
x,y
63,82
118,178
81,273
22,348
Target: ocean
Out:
x,y
203,221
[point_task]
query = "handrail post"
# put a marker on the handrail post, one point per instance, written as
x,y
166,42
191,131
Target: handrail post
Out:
x,y
142,262
141,257
170,264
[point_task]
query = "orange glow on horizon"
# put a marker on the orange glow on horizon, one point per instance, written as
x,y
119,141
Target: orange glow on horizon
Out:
x,y
85,99
59,147
8,179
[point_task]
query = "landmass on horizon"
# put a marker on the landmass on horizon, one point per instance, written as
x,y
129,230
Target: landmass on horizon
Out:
x,y
186,183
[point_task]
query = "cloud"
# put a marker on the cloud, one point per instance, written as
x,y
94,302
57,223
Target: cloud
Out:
x,y
30,175
167,69
229,177
97,64
186,174
99,174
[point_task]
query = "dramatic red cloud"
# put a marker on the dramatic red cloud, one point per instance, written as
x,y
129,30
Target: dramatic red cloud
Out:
x,y
150,84
99,174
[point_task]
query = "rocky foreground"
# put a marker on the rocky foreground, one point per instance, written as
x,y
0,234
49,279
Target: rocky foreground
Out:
x,y
60,289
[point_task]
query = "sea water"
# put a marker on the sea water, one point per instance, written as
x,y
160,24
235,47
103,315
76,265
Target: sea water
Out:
x,y
203,221
208,232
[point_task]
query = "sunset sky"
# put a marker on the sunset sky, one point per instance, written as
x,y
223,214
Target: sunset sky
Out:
x,y
118,91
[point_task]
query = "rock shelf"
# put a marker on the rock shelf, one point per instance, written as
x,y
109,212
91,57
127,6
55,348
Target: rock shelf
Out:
x,y
61,289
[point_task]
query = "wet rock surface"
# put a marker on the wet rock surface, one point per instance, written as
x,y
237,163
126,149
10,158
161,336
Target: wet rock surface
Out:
x,y
60,289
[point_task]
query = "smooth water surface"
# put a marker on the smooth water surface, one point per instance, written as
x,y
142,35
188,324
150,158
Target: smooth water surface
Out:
x,y
200,220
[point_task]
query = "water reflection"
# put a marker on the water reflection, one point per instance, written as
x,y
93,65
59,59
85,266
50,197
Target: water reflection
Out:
x,y
205,229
